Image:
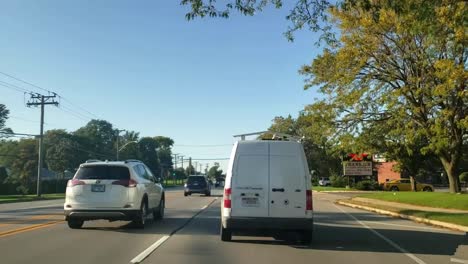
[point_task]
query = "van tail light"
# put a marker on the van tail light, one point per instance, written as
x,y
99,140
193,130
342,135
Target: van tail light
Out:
x,y
309,200
126,183
227,198
74,182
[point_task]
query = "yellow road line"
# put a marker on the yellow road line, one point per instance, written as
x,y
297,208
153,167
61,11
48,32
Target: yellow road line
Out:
x,y
28,228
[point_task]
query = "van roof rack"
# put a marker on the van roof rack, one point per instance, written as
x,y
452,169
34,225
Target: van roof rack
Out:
x,y
132,160
275,136
93,160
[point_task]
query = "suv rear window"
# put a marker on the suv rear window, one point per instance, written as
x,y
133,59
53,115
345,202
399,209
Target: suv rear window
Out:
x,y
193,179
98,172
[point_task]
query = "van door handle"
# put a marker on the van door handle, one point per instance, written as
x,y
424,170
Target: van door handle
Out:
x,y
278,189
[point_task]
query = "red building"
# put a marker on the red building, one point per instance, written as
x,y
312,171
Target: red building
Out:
x,y
385,171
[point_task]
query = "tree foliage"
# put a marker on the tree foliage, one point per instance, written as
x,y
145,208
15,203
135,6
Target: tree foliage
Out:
x,y
402,64
214,172
309,14
4,112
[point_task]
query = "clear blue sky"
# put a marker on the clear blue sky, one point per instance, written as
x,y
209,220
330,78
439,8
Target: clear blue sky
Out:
x,y
141,66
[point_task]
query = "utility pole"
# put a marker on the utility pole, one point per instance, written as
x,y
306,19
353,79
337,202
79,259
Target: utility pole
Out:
x,y
118,137
42,100
190,166
196,168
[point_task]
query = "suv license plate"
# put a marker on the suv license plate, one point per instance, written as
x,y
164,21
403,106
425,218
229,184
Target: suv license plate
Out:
x,y
250,202
98,188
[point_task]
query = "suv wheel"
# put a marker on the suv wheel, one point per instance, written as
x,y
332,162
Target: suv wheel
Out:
x,y
394,189
75,224
208,193
140,219
226,234
427,189
159,212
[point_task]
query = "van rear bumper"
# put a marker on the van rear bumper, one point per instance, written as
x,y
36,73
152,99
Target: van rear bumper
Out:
x,y
266,223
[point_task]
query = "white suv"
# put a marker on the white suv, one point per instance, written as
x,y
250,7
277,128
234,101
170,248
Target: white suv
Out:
x,y
119,190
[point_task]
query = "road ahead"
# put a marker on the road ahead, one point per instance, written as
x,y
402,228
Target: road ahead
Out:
x,y
189,233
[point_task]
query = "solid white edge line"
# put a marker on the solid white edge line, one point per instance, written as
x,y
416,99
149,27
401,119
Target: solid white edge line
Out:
x,y
204,207
459,260
149,250
389,241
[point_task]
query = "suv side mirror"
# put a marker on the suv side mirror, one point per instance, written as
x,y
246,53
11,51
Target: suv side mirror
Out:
x,y
158,180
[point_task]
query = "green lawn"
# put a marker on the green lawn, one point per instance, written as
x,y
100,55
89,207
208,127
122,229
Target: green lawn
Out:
x,y
459,219
430,199
329,188
28,198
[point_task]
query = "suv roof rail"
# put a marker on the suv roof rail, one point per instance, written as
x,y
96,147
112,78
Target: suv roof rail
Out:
x,y
275,136
93,160
133,160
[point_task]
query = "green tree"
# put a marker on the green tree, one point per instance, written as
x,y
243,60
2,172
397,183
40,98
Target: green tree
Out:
x,y
400,60
24,167
190,170
148,153
62,151
214,172
4,112
98,139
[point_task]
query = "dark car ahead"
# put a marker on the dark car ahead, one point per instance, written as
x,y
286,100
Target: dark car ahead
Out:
x,y
197,184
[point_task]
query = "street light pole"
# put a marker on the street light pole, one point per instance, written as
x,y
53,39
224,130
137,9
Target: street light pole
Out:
x,y
118,136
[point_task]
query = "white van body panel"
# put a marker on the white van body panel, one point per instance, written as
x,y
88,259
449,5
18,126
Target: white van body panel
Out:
x,y
268,179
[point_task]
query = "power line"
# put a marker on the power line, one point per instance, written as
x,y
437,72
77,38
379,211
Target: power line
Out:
x,y
25,82
213,159
18,134
77,106
74,113
4,84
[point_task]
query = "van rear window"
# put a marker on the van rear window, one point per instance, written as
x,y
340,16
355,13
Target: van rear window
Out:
x,y
103,173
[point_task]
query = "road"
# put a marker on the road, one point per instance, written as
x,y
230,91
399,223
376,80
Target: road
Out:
x,y
189,233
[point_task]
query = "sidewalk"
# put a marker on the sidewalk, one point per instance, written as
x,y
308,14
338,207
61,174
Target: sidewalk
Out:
x,y
30,205
409,206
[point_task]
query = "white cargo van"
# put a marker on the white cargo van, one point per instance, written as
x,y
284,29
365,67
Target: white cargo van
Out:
x,y
267,188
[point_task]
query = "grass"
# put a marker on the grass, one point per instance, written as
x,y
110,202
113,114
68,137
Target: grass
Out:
x,y
459,219
329,188
430,199
29,198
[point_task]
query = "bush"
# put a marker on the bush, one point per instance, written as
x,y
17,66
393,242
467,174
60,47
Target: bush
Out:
x,y
338,181
315,181
367,185
464,177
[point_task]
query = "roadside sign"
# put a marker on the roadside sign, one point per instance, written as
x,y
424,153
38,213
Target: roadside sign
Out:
x,y
357,168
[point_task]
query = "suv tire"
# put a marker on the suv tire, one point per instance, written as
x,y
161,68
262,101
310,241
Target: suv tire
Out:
x,y
75,224
394,189
140,219
158,213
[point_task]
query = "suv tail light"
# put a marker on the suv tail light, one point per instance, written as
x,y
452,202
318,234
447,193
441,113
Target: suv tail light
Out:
x,y
227,198
126,183
309,200
74,182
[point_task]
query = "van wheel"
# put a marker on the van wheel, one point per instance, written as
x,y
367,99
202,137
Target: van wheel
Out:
x,y
307,236
158,214
140,219
75,224
185,194
226,234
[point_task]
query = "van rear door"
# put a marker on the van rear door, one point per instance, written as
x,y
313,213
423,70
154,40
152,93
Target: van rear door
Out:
x,y
287,180
249,185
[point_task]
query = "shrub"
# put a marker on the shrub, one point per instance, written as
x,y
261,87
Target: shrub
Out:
x,y
464,177
315,181
337,181
367,185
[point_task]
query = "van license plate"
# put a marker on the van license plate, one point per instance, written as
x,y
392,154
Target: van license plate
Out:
x,y
98,188
250,202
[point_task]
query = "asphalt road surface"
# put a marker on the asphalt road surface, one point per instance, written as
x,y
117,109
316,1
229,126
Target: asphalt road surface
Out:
x,y
189,233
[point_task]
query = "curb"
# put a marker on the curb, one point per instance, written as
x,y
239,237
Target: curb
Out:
x,y
408,217
342,191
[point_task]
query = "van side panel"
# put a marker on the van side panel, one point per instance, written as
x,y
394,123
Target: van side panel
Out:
x,y
287,180
250,180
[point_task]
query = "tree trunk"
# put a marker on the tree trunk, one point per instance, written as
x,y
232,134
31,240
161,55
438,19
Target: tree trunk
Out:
x,y
451,170
413,184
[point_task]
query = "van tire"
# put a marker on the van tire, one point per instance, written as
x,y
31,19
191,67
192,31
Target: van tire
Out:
x,y
75,224
185,194
307,236
226,234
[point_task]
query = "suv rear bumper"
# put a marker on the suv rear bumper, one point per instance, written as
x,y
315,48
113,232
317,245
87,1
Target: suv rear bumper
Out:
x,y
197,190
124,215
267,223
